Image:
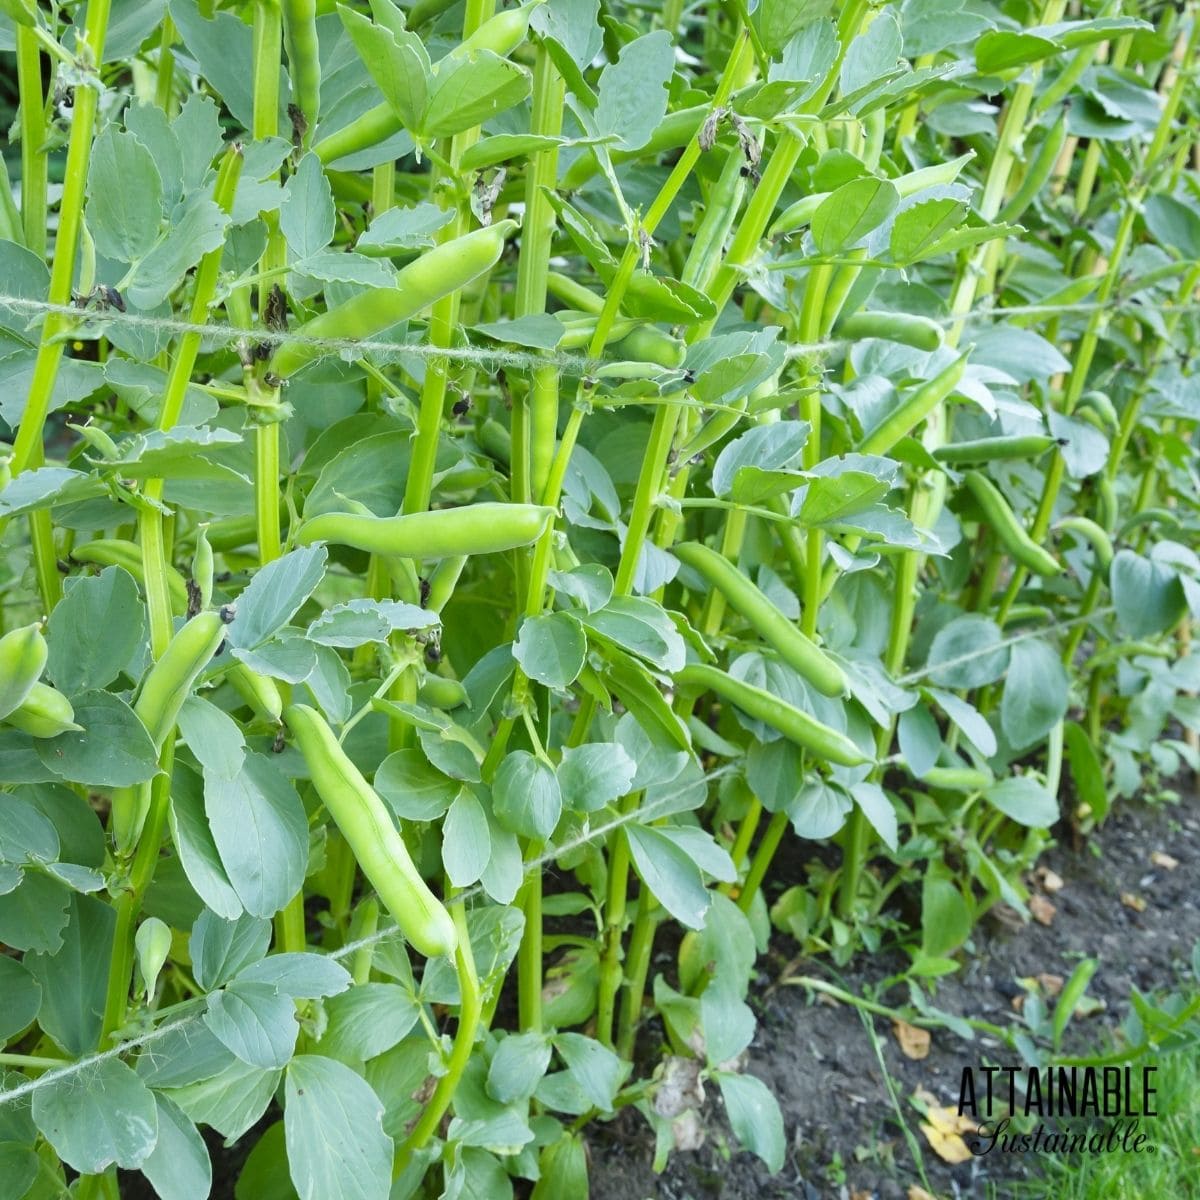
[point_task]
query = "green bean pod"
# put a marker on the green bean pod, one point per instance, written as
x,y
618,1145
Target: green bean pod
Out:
x,y
704,256
304,61
1003,522
1038,173
1091,533
439,692
648,343
441,533
44,713
170,681
444,269
958,779
443,579
260,692
23,654
798,651
983,450
905,328
903,420
112,552
372,835
824,743
500,34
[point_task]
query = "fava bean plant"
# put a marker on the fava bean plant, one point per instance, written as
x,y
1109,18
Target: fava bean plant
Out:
x,y
505,508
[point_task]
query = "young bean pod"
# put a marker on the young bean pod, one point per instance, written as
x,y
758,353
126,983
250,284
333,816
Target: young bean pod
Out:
x,y
23,654
304,60
1003,522
903,420
1091,533
824,743
919,332
1038,173
169,682
372,835
983,450
112,552
437,273
798,651
44,713
441,533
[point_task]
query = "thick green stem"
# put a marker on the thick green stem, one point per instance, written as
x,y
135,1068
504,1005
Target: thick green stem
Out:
x,y
34,174
469,1011
28,451
761,862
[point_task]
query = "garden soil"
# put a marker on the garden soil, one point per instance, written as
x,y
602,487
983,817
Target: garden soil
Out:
x,y
844,1137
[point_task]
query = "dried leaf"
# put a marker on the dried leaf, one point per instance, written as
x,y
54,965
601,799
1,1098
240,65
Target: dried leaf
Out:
x,y
1043,911
1049,881
1131,901
1050,984
679,1088
914,1042
1161,859
919,1193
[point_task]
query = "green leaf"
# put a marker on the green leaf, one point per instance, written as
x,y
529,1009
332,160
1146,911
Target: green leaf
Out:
x,y
851,212
1035,693
196,226
413,789
368,1020
20,997
968,718
397,61
213,737
642,627
632,91
101,1115
595,774
872,54
920,739
525,795
275,594
920,229
26,834
261,833
517,1066
333,1123
79,660
670,874
197,850
964,653
297,974
590,585
470,90
562,1170
1002,49
595,1069
538,331
1086,769
551,649
466,842
819,810
766,448
112,749
255,1022
1147,595
879,811
1024,800
945,921
179,1167
231,1101
34,914
728,1021
220,949
1173,224
404,228
124,192
754,1117
306,216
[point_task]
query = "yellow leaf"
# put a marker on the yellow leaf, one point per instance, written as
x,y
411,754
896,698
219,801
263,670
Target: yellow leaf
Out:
x,y
949,1147
1131,901
914,1042
1161,859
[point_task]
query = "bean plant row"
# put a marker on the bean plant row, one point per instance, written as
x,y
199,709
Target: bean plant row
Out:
x,y
508,509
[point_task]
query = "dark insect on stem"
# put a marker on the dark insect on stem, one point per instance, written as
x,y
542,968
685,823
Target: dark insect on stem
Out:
x,y
299,123
279,744
426,588
462,406
275,316
193,598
